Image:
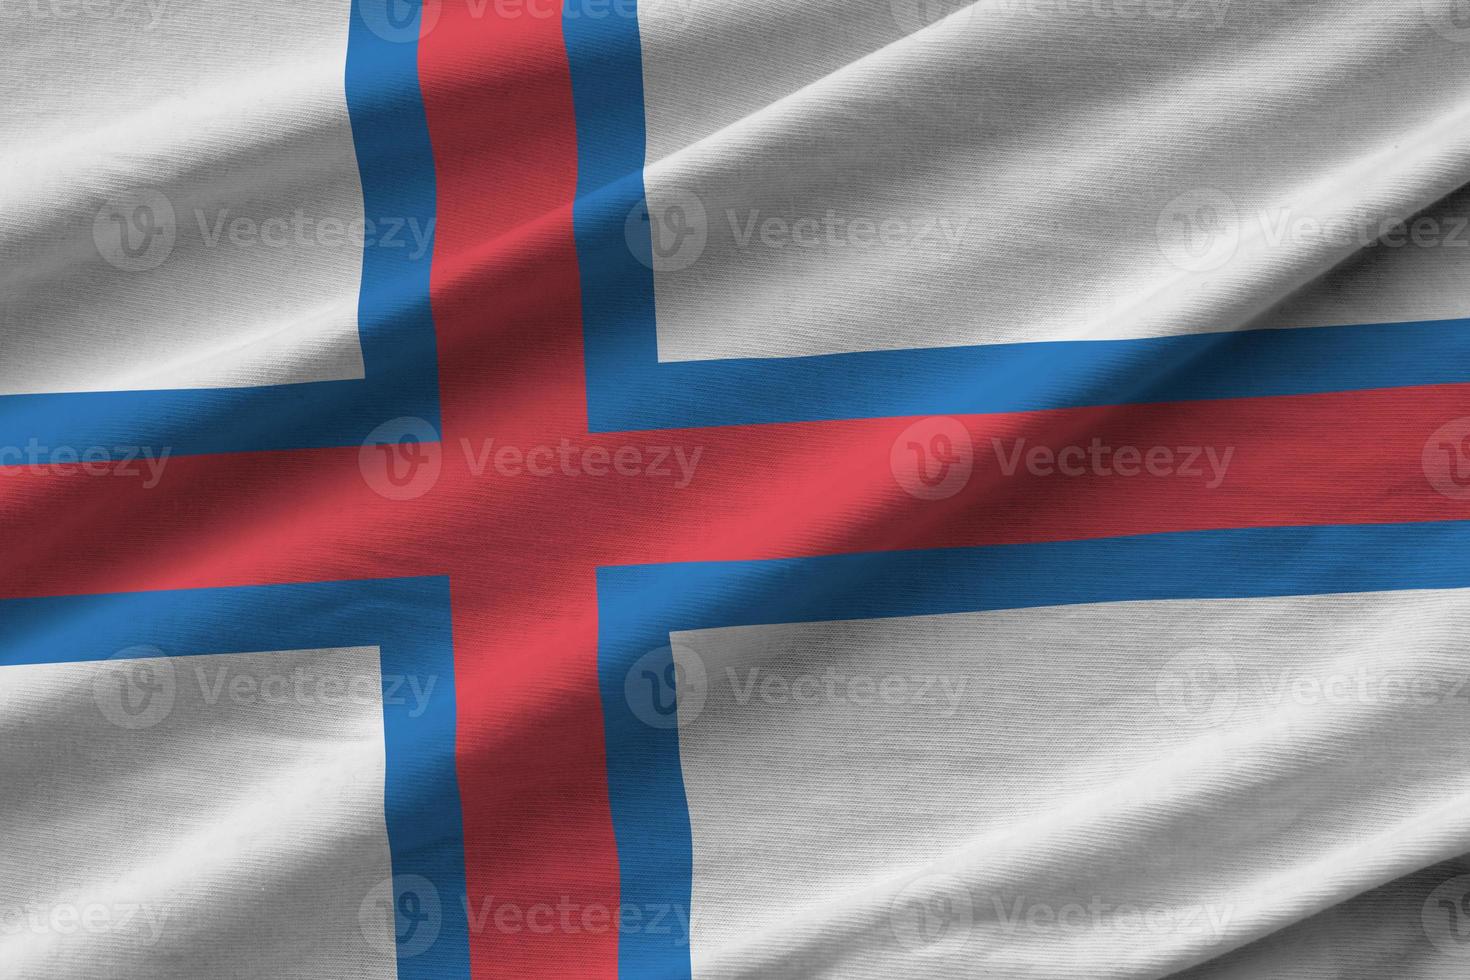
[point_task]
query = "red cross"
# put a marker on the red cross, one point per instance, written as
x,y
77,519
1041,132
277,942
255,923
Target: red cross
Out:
x,y
520,551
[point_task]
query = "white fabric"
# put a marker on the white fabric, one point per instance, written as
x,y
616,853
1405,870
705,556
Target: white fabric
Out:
x,y
1379,934
209,114
1051,169
949,796
230,827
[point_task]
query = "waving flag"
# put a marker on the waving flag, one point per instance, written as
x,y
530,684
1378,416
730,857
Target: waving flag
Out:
x,y
698,489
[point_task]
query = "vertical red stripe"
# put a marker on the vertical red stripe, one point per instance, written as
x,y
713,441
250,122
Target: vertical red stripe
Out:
x,y
540,857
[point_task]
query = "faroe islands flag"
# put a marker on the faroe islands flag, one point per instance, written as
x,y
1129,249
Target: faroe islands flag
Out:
x,y
714,490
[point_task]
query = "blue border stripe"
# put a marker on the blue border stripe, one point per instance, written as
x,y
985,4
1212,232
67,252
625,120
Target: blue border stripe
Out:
x,y
605,56
639,606
421,803
407,619
629,388
650,812
396,328
396,160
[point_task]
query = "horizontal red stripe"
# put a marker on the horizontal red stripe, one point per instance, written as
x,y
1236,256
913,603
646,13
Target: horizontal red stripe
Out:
x,y
521,549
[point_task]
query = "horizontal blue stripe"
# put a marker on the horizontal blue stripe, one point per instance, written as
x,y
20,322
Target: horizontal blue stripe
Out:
x,y
628,388
1190,565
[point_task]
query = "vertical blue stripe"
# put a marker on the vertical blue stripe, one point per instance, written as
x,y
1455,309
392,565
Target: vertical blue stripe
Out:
x,y
396,162
421,793
650,813
605,55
